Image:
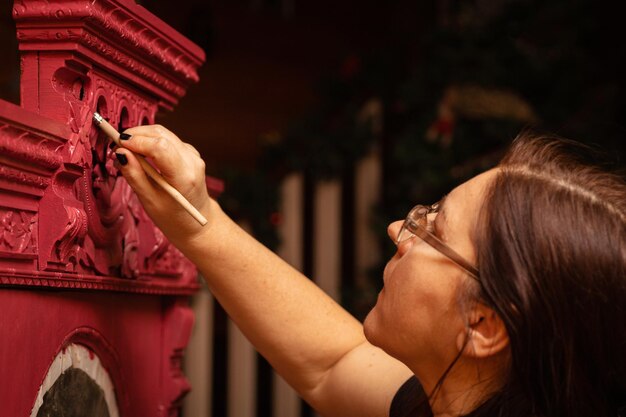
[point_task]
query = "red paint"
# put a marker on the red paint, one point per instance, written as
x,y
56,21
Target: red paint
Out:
x,y
135,336
70,222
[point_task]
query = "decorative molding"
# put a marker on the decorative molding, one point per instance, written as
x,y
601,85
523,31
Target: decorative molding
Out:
x,y
178,325
69,281
38,125
163,258
132,64
112,17
98,45
92,224
22,145
21,177
121,31
69,246
118,97
18,231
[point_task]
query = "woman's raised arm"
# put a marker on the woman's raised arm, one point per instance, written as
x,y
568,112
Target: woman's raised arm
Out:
x,y
309,339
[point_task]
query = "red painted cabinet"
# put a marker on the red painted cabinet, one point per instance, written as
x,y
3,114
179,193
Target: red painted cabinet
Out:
x,y
93,299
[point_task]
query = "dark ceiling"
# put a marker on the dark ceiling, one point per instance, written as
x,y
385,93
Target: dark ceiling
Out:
x,y
264,58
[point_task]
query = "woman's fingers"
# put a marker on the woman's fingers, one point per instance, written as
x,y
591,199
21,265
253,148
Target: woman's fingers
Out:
x,y
180,165
163,151
192,149
167,151
135,175
153,131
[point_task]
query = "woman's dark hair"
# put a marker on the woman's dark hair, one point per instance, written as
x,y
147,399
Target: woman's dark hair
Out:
x,y
551,250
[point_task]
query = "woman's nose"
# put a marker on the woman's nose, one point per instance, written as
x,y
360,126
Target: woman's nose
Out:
x,y
394,229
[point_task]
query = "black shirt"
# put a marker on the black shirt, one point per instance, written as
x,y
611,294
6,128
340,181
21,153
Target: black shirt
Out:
x,y
410,401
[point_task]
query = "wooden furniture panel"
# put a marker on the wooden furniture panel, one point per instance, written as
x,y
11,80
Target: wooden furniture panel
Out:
x,y
82,267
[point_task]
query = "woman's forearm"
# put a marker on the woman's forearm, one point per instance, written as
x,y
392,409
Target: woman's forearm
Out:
x,y
293,323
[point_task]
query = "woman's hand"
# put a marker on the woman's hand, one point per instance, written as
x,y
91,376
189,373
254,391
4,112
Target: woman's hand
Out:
x,y
182,167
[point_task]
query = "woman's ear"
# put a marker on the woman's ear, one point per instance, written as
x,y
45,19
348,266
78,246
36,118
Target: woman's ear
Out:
x,y
486,334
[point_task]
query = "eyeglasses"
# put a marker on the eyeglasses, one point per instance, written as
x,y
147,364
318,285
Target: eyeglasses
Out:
x,y
417,224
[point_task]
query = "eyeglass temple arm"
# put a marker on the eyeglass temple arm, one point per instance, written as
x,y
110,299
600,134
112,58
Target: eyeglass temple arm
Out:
x,y
446,250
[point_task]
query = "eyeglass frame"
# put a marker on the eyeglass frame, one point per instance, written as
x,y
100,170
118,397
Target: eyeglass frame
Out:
x,y
411,224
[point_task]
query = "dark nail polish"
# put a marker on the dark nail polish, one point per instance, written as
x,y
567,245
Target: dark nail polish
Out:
x,y
112,145
121,158
124,136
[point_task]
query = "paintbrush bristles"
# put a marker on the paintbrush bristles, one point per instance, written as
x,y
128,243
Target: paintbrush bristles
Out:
x,y
107,128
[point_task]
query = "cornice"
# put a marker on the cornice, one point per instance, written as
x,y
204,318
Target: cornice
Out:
x,y
133,32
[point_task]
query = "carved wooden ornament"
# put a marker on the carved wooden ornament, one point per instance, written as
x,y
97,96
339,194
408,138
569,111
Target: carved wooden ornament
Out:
x,y
68,219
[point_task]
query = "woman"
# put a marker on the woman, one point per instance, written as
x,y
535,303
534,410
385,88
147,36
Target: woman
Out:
x,y
506,298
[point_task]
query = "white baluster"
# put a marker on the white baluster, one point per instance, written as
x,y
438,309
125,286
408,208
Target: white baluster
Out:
x,y
287,403
327,232
199,356
242,370
367,188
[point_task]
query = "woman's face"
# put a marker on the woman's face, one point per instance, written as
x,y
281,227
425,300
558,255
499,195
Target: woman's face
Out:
x,y
417,317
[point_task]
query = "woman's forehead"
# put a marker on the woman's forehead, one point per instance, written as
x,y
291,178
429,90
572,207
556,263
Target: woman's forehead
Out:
x,y
464,202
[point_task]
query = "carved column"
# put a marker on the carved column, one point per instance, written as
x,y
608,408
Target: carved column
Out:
x,y
70,223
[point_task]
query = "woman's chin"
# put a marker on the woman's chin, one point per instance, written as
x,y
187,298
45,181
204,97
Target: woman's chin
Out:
x,y
370,325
